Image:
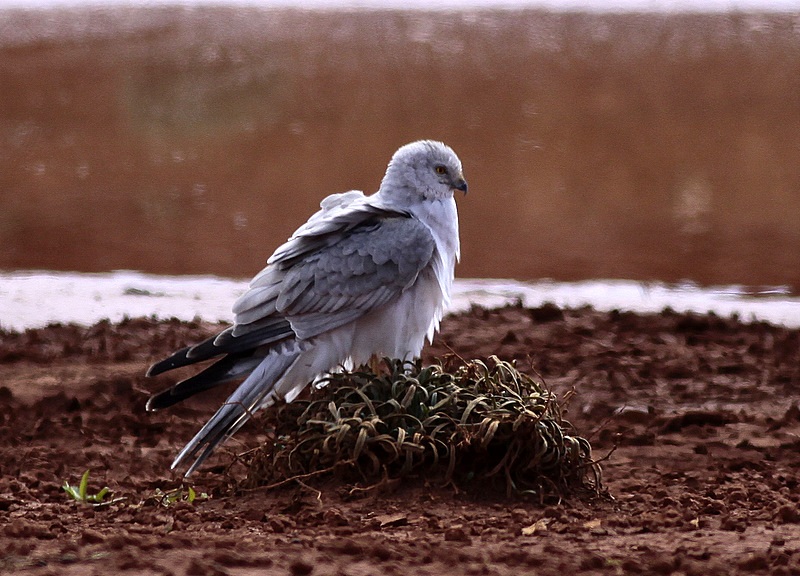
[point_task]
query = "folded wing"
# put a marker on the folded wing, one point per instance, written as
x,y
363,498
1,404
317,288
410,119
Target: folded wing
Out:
x,y
324,277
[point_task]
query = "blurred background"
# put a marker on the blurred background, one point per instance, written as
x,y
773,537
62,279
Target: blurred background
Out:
x,y
195,139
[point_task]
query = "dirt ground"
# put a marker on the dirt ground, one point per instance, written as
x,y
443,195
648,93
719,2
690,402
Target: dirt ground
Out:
x,y
703,412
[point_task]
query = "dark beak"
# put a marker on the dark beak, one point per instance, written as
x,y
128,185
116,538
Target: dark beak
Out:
x,y
461,184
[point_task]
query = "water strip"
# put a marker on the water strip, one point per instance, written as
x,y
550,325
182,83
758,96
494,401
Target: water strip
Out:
x,y
31,299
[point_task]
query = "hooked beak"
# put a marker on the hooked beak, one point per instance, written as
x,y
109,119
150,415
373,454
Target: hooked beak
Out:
x,y
461,184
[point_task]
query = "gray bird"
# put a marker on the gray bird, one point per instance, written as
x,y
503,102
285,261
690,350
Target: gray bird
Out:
x,y
366,275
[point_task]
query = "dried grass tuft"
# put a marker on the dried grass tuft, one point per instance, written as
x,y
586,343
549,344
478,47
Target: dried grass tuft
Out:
x,y
470,424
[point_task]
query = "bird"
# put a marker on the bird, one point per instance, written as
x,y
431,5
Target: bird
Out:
x,y
366,276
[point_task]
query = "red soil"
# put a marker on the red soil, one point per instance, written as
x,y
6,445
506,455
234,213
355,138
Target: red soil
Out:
x,y
703,412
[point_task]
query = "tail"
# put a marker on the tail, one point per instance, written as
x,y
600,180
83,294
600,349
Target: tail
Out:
x,y
261,351
241,353
222,371
254,393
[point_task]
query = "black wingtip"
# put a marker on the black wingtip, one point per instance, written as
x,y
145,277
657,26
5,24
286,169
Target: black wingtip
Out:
x,y
221,372
176,360
150,406
165,399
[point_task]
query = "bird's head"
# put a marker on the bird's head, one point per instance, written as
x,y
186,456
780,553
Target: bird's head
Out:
x,y
424,168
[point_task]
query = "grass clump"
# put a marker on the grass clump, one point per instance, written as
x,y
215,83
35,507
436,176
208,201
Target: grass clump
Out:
x,y
470,424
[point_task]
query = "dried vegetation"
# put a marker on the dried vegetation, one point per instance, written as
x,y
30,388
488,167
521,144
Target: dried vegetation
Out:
x,y
469,424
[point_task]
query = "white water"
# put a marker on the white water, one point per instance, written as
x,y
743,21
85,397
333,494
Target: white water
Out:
x,y
34,299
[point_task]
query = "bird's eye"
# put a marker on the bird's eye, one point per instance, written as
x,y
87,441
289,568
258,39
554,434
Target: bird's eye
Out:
x,y
441,169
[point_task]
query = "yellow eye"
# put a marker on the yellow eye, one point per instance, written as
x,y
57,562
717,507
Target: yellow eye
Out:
x,y
441,169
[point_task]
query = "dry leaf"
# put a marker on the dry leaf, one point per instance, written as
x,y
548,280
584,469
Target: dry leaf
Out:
x,y
392,520
538,526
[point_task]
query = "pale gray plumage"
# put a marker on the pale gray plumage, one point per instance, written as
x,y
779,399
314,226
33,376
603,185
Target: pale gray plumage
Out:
x,y
365,275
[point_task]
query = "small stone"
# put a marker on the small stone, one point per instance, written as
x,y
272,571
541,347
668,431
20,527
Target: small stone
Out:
x,y
90,536
788,514
457,534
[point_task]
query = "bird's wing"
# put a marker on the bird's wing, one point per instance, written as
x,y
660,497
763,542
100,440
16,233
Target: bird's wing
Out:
x,y
346,260
327,280
338,213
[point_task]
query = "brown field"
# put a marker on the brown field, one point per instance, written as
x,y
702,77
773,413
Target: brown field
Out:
x,y
188,140
705,478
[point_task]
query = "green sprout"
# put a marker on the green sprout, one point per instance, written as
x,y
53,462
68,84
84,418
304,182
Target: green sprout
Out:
x,y
81,492
181,494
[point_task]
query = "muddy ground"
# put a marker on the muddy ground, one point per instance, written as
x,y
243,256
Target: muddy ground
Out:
x,y
703,412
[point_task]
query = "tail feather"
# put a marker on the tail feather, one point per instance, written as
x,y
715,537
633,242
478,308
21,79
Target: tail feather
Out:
x,y
265,350
178,359
250,396
238,350
222,371
233,340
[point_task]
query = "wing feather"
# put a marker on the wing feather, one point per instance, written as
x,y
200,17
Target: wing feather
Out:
x,y
322,284
365,269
